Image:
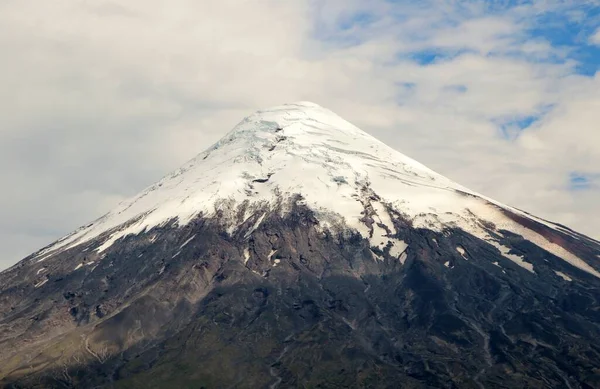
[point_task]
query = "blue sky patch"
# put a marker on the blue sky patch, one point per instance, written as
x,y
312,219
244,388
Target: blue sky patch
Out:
x,y
579,181
571,31
456,88
566,27
433,55
359,19
511,129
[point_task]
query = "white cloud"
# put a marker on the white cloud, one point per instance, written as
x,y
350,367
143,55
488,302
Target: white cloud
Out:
x,y
595,38
101,98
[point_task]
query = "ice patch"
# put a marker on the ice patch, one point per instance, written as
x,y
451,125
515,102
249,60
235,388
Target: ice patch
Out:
x,y
187,241
110,241
255,226
41,283
398,247
447,264
40,270
246,255
45,257
515,258
78,267
381,237
403,257
563,276
382,216
494,215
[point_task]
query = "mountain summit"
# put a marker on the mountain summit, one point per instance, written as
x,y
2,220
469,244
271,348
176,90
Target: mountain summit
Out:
x,y
299,251
273,156
306,154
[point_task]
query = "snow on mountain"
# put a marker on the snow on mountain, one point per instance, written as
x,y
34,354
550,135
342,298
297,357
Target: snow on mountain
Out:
x,y
343,174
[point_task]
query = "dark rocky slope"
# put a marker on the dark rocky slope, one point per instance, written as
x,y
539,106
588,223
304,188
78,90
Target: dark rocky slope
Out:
x,y
291,305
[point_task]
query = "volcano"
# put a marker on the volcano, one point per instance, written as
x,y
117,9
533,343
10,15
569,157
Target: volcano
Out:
x,y
299,251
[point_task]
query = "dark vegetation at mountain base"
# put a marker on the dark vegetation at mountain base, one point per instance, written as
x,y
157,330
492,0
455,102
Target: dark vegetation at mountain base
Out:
x,y
290,305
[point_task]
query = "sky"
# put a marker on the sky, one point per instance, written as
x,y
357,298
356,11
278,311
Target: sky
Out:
x,y
99,99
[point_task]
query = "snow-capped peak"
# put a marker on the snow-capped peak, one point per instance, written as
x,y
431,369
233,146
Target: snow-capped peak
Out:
x,y
342,173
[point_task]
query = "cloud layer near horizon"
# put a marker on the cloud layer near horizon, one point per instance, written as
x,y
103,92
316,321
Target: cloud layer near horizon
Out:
x,y
100,98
